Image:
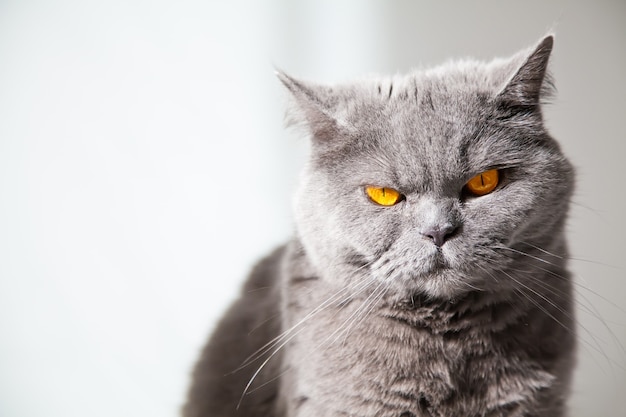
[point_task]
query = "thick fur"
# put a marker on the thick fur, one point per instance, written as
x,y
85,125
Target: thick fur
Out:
x,y
361,314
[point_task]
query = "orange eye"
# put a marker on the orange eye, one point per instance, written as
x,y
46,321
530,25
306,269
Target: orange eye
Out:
x,y
383,195
483,183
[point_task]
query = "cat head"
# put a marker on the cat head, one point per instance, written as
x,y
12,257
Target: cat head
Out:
x,y
429,182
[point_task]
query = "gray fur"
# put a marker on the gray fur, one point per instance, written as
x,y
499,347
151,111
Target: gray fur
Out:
x,y
361,314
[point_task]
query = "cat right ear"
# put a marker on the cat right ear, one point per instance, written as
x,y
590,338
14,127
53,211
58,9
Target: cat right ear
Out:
x,y
314,106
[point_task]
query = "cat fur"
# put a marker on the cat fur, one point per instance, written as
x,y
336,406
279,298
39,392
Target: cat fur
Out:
x,y
361,313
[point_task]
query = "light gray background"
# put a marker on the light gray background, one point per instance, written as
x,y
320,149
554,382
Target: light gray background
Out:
x,y
144,167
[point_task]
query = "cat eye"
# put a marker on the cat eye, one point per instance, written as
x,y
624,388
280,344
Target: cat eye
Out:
x,y
383,196
483,183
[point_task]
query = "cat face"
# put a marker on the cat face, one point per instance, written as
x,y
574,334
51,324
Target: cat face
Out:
x,y
394,188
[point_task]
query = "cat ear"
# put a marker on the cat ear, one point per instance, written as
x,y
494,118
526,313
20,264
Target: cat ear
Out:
x,y
314,106
530,82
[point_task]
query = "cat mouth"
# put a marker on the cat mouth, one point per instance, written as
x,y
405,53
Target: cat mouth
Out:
x,y
421,268
436,265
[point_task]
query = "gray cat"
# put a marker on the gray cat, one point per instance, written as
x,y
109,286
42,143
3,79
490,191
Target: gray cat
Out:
x,y
427,276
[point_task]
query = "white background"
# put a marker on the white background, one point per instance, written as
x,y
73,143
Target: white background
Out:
x,y
144,168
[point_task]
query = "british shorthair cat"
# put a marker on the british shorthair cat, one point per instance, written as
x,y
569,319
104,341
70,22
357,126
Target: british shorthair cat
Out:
x,y
427,275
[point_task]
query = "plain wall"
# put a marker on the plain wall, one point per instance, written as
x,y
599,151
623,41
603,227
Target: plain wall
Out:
x,y
144,168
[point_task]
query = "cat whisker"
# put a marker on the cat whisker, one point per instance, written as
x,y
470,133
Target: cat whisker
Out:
x,y
361,312
587,307
355,313
475,288
527,255
571,258
277,340
574,282
265,362
557,292
266,383
597,348
258,326
542,250
577,286
280,341
545,311
543,297
491,275
373,304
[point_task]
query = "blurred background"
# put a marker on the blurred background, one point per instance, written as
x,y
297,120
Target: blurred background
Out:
x,y
144,168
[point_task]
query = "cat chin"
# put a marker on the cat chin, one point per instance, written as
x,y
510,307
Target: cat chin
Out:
x,y
443,284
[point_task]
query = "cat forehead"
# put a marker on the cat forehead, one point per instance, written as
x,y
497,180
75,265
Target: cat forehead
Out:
x,y
434,101
452,81
417,112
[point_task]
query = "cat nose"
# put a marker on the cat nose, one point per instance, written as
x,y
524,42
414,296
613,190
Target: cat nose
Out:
x,y
439,234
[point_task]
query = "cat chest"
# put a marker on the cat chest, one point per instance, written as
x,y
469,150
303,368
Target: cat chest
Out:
x,y
385,368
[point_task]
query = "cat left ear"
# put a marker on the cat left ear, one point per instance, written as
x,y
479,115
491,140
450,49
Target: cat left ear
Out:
x,y
531,82
314,106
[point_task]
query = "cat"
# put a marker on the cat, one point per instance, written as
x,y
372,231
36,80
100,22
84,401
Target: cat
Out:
x,y
427,275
